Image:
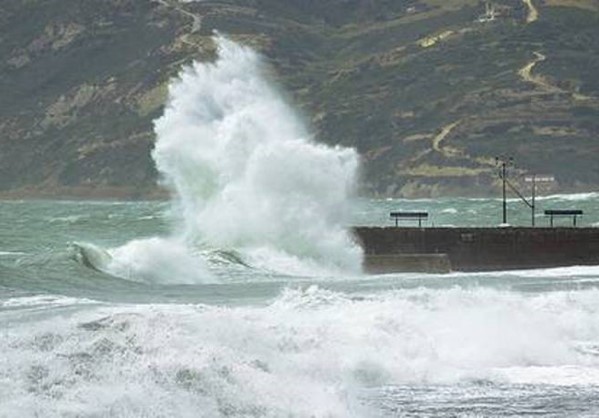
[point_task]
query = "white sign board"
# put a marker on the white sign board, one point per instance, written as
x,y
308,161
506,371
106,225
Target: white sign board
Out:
x,y
539,179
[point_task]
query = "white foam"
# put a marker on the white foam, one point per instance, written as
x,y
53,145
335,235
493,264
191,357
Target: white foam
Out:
x,y
560,375
571,197
66,219
159,260
43,301
12,253
571,273
244,170
246,177
305,354
450,210
562,272
281,262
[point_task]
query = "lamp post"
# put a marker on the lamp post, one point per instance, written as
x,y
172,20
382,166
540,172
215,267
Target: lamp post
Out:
x,y
503,162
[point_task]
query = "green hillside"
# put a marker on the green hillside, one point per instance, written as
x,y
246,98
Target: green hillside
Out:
x,y
428,91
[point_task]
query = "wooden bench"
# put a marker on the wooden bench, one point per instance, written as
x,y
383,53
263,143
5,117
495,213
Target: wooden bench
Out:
x,y
409,216
574,213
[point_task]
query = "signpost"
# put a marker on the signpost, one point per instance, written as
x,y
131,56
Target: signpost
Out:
x,y
503,163
534,179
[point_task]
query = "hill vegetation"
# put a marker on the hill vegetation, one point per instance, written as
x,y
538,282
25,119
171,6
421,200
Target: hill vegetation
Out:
x,y
428,91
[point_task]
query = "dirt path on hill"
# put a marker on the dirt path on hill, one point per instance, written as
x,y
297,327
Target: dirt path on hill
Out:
x,y
446,151
541,82
533,13
196,20
526,74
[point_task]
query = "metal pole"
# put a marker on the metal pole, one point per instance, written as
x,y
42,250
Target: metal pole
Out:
x,y
534,193
504,198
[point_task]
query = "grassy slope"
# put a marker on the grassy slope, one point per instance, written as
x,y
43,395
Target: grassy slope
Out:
x,y
355,67
74,73
388,91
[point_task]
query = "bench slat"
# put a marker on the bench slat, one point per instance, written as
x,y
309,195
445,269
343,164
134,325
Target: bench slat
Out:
x,y
409,214
562,212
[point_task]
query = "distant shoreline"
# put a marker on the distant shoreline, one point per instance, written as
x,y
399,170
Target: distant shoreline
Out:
x,y
87,194
95,193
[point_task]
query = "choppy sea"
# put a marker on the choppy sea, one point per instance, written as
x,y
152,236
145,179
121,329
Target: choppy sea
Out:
x,y
102,314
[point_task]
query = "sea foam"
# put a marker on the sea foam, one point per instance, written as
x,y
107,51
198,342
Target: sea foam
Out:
x,y
310,352
246,176
244,169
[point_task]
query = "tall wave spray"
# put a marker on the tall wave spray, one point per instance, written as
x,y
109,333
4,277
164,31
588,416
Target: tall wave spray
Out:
x,y
245,172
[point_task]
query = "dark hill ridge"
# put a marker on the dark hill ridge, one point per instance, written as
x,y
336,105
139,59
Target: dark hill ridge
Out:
x,y
426,92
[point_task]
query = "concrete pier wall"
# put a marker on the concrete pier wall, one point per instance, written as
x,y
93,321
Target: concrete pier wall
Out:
x,y
481,249
390,263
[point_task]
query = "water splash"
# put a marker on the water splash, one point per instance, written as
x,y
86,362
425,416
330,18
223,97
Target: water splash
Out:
x,y
246,174
310,352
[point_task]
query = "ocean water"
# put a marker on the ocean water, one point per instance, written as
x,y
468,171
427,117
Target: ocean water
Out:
x,y
243,296
248,341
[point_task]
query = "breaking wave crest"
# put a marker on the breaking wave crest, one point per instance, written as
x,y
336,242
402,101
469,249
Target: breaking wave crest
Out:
x,y
573,197
246,176
308,353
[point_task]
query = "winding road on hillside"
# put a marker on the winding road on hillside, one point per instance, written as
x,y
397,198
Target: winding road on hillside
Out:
x,y
526,74
533,13
196,22
446,151
541,82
